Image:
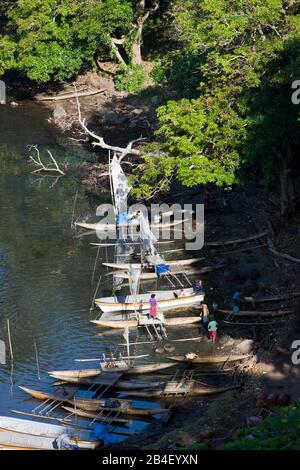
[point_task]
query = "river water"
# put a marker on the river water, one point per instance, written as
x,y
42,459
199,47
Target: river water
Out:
x,y
45,271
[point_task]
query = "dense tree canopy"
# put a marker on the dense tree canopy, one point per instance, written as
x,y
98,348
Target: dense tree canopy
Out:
x,y
247,56
230,65
47,39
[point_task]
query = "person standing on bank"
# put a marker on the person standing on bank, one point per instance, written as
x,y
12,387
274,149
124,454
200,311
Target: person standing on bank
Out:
x,y
213,328
153,307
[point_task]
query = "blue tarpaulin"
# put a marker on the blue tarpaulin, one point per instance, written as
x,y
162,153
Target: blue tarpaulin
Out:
x,y
101,433
162,269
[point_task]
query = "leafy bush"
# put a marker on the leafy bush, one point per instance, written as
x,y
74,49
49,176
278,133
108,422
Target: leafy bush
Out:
x,y
276,432
159,73
130,79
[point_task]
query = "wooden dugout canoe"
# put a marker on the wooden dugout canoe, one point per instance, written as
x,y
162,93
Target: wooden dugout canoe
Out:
x,y
197,390
133,323
239,240
118,405
217,359
94,404
133,370
165,300
256,313
120,384
94,415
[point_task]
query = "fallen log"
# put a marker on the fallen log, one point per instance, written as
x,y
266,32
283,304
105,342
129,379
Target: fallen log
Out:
x,y
273,250
68,96
238,240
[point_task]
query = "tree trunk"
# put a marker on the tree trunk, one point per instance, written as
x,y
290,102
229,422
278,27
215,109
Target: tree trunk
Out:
x,y
142,16
136,52
287,188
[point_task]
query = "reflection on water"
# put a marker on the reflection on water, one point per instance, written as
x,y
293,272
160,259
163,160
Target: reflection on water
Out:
x,y
45,273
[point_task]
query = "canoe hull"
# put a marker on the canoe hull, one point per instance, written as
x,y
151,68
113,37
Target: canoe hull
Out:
x,y
133,323
209,359
124,408
196,391
165,300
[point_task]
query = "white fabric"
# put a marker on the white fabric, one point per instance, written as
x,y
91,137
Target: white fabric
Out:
x,y
121,188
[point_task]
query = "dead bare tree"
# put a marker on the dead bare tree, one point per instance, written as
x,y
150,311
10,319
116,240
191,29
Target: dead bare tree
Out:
x,y
41,167
99,141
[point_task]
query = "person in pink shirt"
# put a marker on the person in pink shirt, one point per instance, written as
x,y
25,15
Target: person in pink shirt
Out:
x,y
153,306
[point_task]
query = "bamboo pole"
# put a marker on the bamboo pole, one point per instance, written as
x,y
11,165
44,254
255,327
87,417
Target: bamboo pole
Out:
x,y
74,205
37,361
10,343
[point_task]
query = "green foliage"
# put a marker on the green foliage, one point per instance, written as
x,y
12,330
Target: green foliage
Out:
x,y
48,39
159,73
232,72
279,432
130,79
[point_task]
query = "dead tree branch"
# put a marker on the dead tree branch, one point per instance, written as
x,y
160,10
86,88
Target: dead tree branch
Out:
x,y
41,166
99,141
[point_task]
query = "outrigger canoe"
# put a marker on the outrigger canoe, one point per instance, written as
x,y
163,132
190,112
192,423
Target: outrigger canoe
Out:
x,y
98,380
133,323
165,300
133,370
209,359
94,404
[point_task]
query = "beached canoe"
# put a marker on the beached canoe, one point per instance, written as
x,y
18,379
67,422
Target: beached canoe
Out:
x,y
165,300
212,359
120,384
239,240
196,390
26,431
256,313
133,323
